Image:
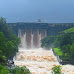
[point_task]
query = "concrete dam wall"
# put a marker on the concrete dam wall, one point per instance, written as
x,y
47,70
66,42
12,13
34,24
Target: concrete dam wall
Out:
x,y
32,33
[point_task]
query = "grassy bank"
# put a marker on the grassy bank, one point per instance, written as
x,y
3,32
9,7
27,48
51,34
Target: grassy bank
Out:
x,y
58,51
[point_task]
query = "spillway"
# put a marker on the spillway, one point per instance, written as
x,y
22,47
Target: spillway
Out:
x,y
30,38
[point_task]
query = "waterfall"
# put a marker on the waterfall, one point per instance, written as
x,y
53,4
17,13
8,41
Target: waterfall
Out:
x,y
39,40
30,38
32,46
25,44
43,33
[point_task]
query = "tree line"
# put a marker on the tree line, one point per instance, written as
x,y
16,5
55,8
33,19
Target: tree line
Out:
x,y
8,41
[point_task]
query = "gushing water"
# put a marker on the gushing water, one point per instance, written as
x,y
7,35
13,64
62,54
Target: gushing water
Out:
x,y
40,61
36,59
31,38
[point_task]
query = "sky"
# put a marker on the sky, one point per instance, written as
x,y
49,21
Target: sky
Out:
x,y
49,11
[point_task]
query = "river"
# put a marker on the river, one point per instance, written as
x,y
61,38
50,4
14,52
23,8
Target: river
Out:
x,y
40,61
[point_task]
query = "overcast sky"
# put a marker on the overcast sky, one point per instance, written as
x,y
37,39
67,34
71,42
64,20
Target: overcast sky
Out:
x,y
52,11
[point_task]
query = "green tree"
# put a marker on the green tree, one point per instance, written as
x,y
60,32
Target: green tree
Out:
x,y
8,41
20,70
47,42
2,41
56,70
5,71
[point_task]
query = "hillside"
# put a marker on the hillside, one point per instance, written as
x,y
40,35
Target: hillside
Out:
x,y
71,30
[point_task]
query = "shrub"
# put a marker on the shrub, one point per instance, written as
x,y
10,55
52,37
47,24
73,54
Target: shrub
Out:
x,y
56,70
16,70
5,71
20,70
1,67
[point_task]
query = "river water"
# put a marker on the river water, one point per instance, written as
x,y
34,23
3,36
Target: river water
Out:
x,y
40,61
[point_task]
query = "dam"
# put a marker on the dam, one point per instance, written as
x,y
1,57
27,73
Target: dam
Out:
x,y
36,59
32,33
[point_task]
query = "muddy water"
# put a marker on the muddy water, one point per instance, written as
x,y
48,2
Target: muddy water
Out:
x,y
40,61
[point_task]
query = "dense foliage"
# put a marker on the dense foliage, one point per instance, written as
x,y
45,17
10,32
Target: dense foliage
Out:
x,y
47,42
16,70
56,70
64,41
8,42
20,70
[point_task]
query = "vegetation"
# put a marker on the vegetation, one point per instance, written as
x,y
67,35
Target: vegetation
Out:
x,y
58,51
16,70
8,45
8,41
63,44
4,70
47,42
20,70
71,30
66,45
3,59
56,70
